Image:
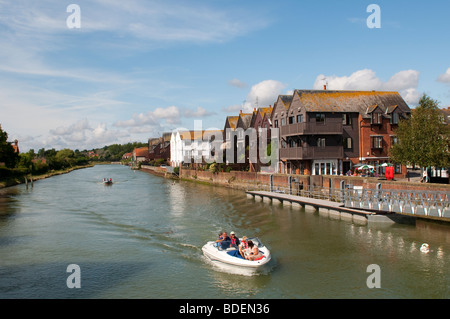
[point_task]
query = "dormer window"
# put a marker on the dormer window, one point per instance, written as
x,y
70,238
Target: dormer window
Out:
x,y
394,118
376,119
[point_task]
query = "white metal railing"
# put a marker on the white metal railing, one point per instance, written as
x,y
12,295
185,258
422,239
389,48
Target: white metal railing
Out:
x,y
420,203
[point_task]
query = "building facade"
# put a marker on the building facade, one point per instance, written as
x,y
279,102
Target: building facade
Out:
x,y
324,132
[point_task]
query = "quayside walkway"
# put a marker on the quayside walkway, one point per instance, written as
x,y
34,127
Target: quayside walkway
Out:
x,y
357,203
332,209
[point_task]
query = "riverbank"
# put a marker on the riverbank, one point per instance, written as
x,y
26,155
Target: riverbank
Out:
x,y
20,179
251,180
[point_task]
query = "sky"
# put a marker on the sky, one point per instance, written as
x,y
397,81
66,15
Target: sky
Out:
x,y
113,71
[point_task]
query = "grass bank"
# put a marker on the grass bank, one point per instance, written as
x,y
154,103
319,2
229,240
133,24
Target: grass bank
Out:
x,y
19,178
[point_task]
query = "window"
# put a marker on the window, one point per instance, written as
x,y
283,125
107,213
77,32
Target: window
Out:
x,y
291,120
376,118
394,118
283,121
321,142
292,143
376,141
397,168
275,123
346,119
347,142
299,118
320,118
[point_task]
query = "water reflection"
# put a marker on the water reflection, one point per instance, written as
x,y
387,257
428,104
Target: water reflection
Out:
x,y
8,202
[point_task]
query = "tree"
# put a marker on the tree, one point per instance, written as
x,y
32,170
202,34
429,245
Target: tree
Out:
x,y
424,138
7,152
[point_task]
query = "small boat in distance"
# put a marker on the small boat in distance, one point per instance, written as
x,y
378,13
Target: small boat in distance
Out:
x,y
223,253
107,181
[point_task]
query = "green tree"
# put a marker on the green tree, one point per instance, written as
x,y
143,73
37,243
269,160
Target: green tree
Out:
x,y
7,153
26,160
424,138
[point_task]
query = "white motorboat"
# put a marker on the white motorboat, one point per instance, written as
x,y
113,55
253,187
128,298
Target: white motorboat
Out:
x,y
230,255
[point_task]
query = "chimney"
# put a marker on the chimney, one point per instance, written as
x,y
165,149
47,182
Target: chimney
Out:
x,y
324,87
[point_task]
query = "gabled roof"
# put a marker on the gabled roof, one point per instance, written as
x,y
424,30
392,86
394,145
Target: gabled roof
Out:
x,y
232,121
244,120
286,100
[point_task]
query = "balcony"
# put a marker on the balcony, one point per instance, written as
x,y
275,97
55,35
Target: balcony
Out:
x,y
312,152
311,128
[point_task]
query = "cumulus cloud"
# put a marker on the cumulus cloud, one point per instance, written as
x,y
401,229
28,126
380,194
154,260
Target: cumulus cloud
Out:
x,y
405,82
262,94
80,135
199,112
160,117
170,114
445,77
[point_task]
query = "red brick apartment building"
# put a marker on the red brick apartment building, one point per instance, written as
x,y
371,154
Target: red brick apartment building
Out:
x,y
324,132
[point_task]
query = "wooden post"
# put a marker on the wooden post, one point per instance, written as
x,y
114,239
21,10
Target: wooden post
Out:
x,y
26,182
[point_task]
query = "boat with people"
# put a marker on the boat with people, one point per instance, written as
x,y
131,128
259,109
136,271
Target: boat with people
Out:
x,y
107,181
227,253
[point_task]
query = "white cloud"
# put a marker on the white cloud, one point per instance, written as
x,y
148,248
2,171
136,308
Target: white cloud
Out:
x,y
152,119
199,112
445,77
405,82
264,93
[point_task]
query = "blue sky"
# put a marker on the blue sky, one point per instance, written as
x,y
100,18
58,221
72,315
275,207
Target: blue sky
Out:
x,y
137,68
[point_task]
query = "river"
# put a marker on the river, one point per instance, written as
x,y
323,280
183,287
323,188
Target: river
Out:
x,y
142,236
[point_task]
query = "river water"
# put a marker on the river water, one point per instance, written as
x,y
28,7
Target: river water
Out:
x,y
142,238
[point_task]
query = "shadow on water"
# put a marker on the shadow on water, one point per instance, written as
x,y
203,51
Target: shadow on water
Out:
x,y
49,280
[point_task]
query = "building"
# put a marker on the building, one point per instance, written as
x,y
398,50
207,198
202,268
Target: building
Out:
x,y
140,154
261,123
195,147
325,132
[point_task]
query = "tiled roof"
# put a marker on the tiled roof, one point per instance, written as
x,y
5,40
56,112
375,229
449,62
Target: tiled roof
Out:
x,y
286,100
141,151
232,120
246,119
350,101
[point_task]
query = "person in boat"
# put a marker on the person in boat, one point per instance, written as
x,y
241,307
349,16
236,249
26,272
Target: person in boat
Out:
x,y
223,238
234,240
243,246
254,252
